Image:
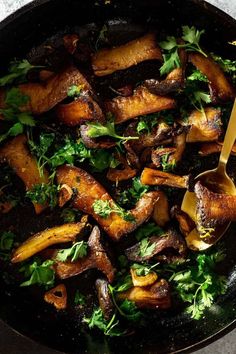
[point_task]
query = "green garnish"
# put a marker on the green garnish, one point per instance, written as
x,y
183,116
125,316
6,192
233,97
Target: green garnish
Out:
x,y
70,215
96,130
75,91
148,230
77,250
44,194
166,165
40,273
109,328
104,208
17,72
7,239
146,247
133,194
79,299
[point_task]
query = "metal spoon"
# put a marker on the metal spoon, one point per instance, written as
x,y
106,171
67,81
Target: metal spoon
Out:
x,y
216,180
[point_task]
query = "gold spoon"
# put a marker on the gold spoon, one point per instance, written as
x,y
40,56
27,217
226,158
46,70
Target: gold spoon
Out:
x,y
216,180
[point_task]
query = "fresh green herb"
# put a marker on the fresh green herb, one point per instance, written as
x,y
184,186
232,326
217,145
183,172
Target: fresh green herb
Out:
x,y
97,129
228,66
102,36
79,298
104,208
75,91
166,165
78,250
143,269
123,283
133,194
109,328
148,230
17,72
146,247
196,75
191,36
39,273
70,215
44,194
7,239
196,97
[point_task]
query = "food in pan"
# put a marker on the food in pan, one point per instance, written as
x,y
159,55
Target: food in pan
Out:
x,y
94,169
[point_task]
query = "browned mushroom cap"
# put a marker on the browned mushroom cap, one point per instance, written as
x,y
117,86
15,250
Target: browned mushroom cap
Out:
x,y
156,296
97,258
214,208
206,149
158,244
107,61
186,224
153,177
93,143
57,297
220,87
104,298
161,213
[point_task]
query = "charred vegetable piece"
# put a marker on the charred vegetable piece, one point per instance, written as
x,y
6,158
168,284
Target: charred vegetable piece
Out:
x,y
156,245
44,96
88,191
220,87
153,177
46,238
140,103
107,61
104,298
143,280
204,127
17,155
97,258
70,42
117,174
186,224
81,110
214,208
57,297
156,296
212,148
161,213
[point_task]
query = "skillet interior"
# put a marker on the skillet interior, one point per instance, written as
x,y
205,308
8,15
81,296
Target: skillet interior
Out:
x,y
24,31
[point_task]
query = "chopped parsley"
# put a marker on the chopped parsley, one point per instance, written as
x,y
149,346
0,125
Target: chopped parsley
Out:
x,y
104,208
18,69
132,195
109,328
44,194
7,239
39,272
77,250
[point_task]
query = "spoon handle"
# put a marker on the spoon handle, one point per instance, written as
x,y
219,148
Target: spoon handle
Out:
x,y
229,139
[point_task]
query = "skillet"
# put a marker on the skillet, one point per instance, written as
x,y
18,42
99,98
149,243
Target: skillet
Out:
x,y
29,27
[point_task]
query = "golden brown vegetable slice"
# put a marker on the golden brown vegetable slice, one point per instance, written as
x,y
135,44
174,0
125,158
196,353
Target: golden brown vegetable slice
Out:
x,y
97,258
214,208
161,213
153,177
44,96
17,155
204,127
88,191
46,238
143,280
212,148
117,174
83,109
186,224
57,297
107,61
140,103
152,297
220,87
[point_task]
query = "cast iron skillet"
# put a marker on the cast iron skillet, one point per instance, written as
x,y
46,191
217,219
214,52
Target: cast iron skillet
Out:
x,y
170,332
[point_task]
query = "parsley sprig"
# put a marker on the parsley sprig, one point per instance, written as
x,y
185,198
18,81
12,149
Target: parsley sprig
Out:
x,y
39,272
77,250
104,208
18,69
132,194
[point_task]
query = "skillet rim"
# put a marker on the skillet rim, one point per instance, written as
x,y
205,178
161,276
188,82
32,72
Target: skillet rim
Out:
x,y
218,13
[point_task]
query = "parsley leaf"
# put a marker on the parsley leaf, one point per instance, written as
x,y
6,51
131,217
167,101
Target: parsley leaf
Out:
x,y
97,320
148,230
171,61
143,269
104,208
79,298
44,194
70,215
97,129
17,72
146,247
78,250
39,273
75,91
6,243
133,194
166,165
196,75
228,66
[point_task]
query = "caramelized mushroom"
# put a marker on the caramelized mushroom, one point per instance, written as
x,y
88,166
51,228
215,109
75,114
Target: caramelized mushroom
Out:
x,y
16,153
153,177
117,174
186,224
143,280
156,296
161,213
158,244
97,258
104,298
57,297
140,103
159,153
107,61
88,191
212,148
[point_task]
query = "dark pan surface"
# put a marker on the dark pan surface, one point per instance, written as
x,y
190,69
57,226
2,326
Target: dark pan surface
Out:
x,y
168,332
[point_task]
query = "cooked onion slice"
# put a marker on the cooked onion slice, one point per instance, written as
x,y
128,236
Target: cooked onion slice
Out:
x,y
57,297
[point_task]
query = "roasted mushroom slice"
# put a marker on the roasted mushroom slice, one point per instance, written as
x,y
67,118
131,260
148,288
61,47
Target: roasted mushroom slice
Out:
x,y
206,149
158,154
57,297
204,126
95,143
104,298
88,191
46,238
140,103
186,224
156,296
17,155
117,174
81,110
214,208
153,177
220,87
161,213
97,258
158,244
44,96
143,280
107,61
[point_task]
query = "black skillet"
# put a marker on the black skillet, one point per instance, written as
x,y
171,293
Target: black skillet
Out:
x,y
170,332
